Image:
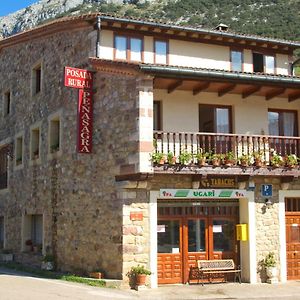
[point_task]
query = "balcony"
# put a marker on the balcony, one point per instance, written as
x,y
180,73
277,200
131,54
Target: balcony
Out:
x,y
215,153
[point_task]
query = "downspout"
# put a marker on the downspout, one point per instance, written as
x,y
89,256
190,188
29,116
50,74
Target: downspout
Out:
x,y
98,27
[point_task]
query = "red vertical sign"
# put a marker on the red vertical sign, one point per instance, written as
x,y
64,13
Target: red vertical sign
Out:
x,y
85,121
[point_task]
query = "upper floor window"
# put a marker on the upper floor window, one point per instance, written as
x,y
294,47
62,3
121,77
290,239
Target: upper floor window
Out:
x,y
128,48
263,63
236,58
35,143
19,150
160,52
4,167
54,134
36,79
7,103
282,123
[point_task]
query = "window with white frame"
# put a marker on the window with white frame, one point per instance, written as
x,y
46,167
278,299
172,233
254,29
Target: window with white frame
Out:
x,y
263,63
54,134
19,151
35,143
236,58
128,48
160,52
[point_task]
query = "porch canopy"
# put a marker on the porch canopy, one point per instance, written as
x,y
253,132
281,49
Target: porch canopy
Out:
x,y
198,80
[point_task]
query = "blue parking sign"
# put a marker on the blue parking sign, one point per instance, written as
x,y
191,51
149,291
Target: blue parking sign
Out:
x,y
267,190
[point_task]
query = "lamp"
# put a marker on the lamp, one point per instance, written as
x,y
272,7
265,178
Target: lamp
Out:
x,y
268,202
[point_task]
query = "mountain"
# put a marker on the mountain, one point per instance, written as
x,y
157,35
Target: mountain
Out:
x,y
272,18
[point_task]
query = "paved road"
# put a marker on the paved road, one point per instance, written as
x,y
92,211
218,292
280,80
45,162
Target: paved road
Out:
x,y
16,286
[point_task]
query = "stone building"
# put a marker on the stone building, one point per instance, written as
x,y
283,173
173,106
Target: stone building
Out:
x,y
162,97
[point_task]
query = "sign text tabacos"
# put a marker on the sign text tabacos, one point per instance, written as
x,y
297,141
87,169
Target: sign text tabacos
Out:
x,y
85,121
78,78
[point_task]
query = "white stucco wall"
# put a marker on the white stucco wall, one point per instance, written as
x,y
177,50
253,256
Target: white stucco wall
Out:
x,y
191,54
180,110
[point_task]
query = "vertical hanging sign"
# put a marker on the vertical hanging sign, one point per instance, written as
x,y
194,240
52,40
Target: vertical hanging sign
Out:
x,y
82,80
85,121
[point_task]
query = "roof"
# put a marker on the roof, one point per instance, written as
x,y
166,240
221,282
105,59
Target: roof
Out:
x,y
90,19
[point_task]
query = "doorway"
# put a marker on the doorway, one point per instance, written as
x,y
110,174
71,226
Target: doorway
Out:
x,y
187,234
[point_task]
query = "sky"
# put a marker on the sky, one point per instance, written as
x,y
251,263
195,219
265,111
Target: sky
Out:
x,y
10,6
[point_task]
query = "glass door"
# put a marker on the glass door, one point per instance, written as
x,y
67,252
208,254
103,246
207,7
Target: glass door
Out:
x,y
169,257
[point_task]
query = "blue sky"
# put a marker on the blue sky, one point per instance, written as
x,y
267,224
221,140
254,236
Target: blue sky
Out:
x,y
9,6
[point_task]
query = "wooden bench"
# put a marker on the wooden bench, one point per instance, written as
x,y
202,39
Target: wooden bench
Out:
x,y
205,268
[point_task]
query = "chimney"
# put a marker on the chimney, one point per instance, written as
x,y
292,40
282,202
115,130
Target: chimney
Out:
x,y
222,27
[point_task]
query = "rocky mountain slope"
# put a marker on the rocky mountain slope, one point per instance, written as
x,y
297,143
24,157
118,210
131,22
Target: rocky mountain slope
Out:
x,y
273,18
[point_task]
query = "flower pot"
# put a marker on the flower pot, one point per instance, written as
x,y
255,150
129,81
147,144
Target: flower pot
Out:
x,y
216,162
244,163
202,162
258,163
140,279
96,275
229,162
272,274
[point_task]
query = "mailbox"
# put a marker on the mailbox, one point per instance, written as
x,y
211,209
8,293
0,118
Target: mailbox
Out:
x,y
242,232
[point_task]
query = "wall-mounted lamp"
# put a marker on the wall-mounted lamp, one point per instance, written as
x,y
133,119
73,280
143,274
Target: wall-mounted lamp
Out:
x,y
268,203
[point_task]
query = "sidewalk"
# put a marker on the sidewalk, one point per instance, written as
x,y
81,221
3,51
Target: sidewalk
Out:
x,y
289,290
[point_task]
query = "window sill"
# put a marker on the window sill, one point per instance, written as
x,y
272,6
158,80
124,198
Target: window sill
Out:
x,y
52,155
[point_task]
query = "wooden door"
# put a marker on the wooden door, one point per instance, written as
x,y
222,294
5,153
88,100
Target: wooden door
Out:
x,y
293,246
169,247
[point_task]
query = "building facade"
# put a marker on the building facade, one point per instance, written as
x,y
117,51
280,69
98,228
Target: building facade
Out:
x,y
163,98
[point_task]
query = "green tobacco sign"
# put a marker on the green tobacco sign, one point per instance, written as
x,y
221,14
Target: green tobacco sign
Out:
x,y
202,193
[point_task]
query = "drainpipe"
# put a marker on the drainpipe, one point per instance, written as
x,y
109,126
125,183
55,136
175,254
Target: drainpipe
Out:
x,y
98,27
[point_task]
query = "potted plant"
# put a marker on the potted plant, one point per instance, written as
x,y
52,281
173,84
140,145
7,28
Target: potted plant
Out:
x,y
140,273
244,160
171,159
258,158
270,266
229,159
276,160
48,262
158,158
201,158
96,274
216,159
291,161
184,157
54,148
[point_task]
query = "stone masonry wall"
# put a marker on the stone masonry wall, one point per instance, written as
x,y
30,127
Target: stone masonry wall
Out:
x,y
76,193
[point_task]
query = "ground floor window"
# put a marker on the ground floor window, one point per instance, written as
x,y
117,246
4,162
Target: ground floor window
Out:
x,y
33,233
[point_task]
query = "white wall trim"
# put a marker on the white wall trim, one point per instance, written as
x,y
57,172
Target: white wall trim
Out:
x,y
153,237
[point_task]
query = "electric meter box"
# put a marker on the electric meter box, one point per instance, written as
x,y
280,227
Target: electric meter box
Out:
x,y
242,232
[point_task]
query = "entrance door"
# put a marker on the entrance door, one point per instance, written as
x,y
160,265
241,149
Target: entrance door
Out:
x,y
189,234
169,258
292,220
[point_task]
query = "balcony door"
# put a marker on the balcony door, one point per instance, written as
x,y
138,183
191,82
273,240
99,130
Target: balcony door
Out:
x,y
283,123
216,119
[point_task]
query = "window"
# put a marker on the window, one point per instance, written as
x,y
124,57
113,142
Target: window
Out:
x,y
19,150
160,52
1,232
32,233
35,143
7,103
128,48
283,123
54,134
157,115
36,79
37,229
263,63
215,119
4,167
236,58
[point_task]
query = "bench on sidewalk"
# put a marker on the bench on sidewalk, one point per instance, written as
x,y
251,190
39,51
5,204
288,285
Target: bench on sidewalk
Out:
x,y
212,268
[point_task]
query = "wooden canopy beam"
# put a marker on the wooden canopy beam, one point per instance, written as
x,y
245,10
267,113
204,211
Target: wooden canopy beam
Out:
x,y
226,89
274,93
250,91
200,88
294,96
172,87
